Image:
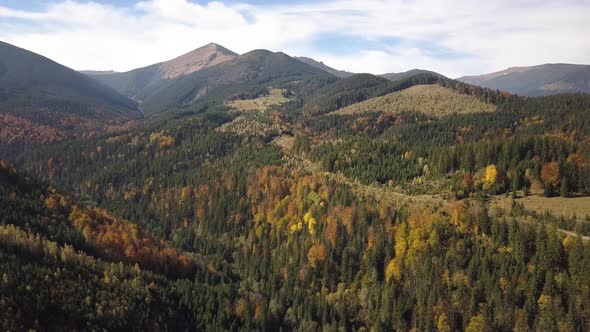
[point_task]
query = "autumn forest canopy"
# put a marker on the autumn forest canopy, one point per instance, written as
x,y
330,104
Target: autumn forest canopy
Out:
x,y
265,192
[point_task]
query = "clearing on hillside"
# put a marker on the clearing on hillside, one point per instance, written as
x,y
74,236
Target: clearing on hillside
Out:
x,y
254,118
259,104
558,206
433,100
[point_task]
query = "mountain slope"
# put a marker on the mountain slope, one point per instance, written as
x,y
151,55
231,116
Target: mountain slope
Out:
x,y
104,235
539,80
36,92
78,261
321,65
433,100
134,83
254,70
28,75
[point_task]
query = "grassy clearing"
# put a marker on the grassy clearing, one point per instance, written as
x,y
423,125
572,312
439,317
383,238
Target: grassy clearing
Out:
x,y
558,206
254,119
431,100
260,104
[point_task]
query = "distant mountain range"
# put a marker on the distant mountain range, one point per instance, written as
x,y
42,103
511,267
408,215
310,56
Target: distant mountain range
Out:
x,y
208,73
540,80
213,72
345,74
44,100
47,102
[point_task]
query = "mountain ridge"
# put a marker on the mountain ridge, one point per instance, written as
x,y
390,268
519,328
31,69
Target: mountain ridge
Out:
x,y
406,74
545,79
321,65
165,86
133,83
254,70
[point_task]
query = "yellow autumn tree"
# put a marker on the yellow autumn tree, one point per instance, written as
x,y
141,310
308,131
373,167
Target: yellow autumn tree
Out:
x,y
393,270
296,227
307,217
491,175
311,226
185,195
476,324
419,227
458,213
401,244
311,223
442,324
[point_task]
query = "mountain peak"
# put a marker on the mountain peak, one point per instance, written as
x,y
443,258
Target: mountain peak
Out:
x,y
195,60
216,47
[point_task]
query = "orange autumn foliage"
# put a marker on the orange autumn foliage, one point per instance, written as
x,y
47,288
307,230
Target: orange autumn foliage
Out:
x,y
120,240
550,174
331,231
317,255
467,180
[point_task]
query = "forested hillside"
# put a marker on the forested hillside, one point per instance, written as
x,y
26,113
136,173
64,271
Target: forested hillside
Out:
x,y
42,101
432,100
271,195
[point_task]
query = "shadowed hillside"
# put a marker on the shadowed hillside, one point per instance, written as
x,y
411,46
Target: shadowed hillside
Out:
x,y
43,101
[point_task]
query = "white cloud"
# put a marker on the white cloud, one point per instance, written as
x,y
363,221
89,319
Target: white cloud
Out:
x,y
479,36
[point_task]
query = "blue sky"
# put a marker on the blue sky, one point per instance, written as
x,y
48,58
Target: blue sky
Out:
x,y
454,37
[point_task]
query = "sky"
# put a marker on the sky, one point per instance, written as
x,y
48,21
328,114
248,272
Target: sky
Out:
x,y
452,37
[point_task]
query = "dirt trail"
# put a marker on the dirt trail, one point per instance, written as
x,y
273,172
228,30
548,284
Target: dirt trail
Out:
x,y
566,232
555,205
